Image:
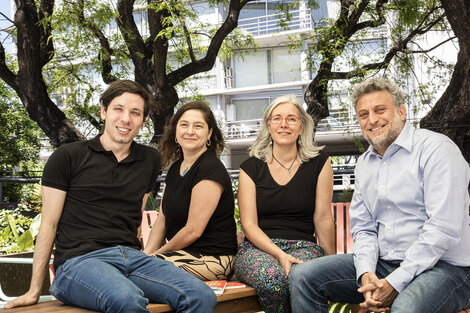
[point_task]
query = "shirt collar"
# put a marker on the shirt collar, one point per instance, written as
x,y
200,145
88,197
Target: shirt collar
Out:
x,y
135,154
404,140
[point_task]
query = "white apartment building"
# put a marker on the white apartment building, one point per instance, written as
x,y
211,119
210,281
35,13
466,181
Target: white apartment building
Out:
x,y
239,89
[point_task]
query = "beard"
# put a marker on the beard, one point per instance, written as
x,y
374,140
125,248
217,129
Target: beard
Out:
x,y
383,142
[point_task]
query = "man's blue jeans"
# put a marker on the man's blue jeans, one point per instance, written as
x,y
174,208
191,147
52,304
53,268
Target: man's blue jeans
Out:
x,y
443,289
121,279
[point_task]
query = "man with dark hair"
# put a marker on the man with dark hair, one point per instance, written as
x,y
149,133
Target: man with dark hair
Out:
x,y
93,193
409,220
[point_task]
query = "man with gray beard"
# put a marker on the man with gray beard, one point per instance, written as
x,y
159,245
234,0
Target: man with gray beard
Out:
x,y
409,220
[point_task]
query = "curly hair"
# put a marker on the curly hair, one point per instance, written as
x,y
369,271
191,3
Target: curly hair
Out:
x,y
377,84
171,151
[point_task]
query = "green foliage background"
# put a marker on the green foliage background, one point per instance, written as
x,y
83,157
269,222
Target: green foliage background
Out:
x,y
18,231
19,143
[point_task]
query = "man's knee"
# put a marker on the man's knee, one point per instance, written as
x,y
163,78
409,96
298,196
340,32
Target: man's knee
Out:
x,y
123,300
205,298
300,275
312,273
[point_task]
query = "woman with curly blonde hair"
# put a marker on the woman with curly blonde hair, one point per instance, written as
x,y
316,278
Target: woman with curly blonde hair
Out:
x,y
284,196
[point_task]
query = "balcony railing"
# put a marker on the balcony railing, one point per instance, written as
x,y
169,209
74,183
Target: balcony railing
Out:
x,y
267,24
249,128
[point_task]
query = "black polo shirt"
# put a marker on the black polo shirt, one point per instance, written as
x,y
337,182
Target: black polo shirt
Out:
x,y
104,197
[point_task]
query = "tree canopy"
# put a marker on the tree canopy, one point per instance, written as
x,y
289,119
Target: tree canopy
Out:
x,y
61,48
59,51
19,142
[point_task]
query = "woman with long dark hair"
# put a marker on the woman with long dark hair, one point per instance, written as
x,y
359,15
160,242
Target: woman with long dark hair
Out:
x,y
195,228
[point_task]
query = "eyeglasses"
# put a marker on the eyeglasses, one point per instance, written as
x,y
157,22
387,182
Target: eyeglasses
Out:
x,y
290,119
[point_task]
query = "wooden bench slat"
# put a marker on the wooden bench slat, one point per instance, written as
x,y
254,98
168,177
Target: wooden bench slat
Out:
x,y
233,301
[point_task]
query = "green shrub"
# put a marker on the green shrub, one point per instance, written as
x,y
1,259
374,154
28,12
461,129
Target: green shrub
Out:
x,y
19,231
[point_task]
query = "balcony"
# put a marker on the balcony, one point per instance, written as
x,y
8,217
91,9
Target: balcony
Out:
x,y
300,19
249,128
340,135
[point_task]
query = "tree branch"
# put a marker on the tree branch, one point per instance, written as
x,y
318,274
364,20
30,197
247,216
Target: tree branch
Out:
x,y
46,44
206,63
431,49
8,76
140,52
106,51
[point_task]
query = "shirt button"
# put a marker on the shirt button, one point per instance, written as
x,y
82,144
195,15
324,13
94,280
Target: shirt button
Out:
x,y
388,227
381,186
385,162
393,251
388,207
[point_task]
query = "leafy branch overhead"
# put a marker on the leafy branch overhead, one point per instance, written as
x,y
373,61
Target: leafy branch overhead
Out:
x,y
67,53
59,50
356,20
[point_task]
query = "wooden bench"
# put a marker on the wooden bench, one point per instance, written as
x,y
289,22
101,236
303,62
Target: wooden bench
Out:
x,y
235,300
232,301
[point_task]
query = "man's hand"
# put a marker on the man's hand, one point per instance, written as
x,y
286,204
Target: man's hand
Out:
x,y
370,283
386,294
286,261
378,293
27,299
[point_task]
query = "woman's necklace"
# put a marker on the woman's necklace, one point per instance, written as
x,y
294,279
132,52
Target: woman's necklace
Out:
x,y
286,168
186,170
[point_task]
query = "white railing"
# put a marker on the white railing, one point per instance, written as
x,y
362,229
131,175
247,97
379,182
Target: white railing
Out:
x,y
249,128
266,24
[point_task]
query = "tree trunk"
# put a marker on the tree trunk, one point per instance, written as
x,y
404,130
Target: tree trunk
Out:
x,y
451,113
34,51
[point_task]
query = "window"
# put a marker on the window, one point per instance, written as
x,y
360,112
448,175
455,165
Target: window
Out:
x,y
366,47
285,66
141,21
249,109
252,69
264,67
202,8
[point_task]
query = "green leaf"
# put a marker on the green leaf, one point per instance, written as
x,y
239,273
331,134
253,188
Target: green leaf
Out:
x,y
6,234
12,223
26,242
34,227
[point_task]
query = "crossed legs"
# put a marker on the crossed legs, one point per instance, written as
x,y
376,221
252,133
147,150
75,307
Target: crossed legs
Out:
x,y
443,289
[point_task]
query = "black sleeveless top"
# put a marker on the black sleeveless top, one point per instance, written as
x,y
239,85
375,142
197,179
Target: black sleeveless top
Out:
x,y
286,211
219,237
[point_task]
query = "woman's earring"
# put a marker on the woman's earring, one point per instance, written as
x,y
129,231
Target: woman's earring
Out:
x,y
208,142
299,140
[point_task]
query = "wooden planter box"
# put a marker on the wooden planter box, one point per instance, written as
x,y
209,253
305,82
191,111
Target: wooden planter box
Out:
x,y
15,278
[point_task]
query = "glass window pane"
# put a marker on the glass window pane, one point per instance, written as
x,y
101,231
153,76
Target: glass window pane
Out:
x,y
285,65
252,70
202,8
253,10
249,109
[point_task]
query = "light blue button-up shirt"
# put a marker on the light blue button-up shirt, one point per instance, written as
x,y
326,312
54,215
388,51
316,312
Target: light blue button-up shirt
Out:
x,y
411,205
